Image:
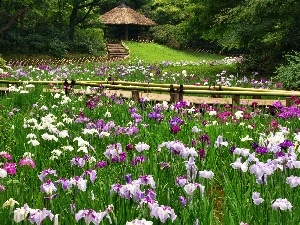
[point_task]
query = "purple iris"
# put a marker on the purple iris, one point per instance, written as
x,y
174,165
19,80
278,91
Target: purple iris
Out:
x,y
176,121
156,116
129,147
254,145
286,144
128,178
261,150
201,153
175,129
120,158
204,138
101,164
138,160
182,200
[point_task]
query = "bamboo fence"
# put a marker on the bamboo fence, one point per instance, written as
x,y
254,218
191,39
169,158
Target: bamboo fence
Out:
x,y
176,91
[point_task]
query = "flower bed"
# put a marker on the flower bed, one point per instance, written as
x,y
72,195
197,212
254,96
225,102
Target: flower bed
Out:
x,y
101,159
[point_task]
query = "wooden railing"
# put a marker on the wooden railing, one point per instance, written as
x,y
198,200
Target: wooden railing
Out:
x,y
175,92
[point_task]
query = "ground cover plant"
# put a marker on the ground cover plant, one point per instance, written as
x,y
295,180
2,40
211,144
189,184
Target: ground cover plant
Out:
x,y
102,159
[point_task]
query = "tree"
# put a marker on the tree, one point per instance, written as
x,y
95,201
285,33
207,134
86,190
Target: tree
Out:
x,y
12,11
264,30
168,12
36,26
267,29
200,26
80,12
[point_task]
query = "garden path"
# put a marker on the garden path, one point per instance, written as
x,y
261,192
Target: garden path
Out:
x,y
194,99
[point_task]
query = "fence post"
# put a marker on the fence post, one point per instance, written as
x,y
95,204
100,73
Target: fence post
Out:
x,y
288,101
135,95
73,84
174,96
236,100
214,89
181,92
256,96
66,87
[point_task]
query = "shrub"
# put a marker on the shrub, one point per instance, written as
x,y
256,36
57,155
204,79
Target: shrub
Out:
x,y
169,35
58,48
289,74
12,42
89,40
36,43
2,62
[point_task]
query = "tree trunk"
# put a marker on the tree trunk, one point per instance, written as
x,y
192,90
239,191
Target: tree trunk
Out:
x,y
15,17
72,22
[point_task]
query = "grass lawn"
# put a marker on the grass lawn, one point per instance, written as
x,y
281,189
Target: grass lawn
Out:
x,y
153,52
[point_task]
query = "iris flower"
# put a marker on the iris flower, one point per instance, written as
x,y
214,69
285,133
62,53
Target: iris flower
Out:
x,y
191,187
10,168
141,146
219,142
163,213
206,174
37,215
48,187
282,204
44,173
3,173
10,202
90,216
20,214
257,200
79,182
293,181
247,138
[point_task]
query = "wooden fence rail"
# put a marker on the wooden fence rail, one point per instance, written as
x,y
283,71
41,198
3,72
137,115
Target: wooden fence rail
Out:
x,y
176,92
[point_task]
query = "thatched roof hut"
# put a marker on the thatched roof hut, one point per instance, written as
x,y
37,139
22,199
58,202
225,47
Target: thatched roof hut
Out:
x,y
124,15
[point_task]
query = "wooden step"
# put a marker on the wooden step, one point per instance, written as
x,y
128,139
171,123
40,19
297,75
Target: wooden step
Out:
x,y
116,50
120,46
114,44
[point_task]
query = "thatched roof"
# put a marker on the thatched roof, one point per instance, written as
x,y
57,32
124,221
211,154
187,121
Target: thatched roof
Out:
x,y
123,14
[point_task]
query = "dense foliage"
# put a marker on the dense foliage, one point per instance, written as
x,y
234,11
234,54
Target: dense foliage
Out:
x,y
289,72
263,31
2,62
53,27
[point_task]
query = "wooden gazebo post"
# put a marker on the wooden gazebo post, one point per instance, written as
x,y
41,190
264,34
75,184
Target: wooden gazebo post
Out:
x,y
126,32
